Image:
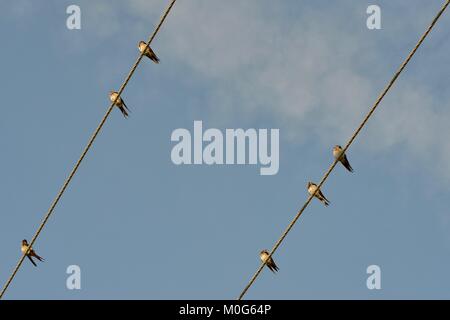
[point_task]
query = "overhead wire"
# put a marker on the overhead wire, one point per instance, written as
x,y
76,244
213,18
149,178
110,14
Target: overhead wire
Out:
x,y
85,151
350,141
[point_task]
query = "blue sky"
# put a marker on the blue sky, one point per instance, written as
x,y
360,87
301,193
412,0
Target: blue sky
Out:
x,y
141,227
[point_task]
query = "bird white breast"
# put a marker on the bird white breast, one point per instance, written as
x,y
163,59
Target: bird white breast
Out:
x,y
264,256
143,47
24,249
312,188
113,97
337,153
119,101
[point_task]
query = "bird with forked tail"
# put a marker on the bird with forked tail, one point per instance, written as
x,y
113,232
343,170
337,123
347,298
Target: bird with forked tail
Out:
x,y
31,253
148,52
312,187
342,158
119,103
264,256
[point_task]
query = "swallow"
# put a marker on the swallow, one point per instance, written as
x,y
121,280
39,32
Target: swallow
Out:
x,y
264,254
312,187
148,52
342,158
31,254
119,103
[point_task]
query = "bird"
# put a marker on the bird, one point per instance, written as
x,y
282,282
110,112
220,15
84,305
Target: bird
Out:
x,y
119,103
264,255
148,52
31,254
312,187
341,157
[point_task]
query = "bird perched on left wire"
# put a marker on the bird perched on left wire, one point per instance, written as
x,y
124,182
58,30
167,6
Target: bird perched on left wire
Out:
x,y
342,158
31,254
148,52
119,103
264,256
312,187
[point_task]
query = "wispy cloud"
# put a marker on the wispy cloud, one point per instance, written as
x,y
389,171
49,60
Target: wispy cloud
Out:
x,y
315,69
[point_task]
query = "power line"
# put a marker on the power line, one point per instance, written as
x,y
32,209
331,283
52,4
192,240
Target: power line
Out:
x,y
363,123
91,141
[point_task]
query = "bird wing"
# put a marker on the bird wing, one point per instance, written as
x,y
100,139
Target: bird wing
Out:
x,y
31,259
320,194
346,164
274,266
33,254
123,102
151,54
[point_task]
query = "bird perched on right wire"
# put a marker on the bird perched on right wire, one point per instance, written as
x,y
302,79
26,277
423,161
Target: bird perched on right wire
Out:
x,y
264,256
148,52
342,158
312,187
31,254
119,103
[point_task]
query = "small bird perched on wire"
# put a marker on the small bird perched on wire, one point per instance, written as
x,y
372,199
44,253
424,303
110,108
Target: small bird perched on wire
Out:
x,y
338,154
148,52
31,254
312,187
119,103
264,256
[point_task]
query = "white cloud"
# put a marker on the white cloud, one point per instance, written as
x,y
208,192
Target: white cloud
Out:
x,y
317,71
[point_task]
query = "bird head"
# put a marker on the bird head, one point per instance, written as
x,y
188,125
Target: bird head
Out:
x,y
24,242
